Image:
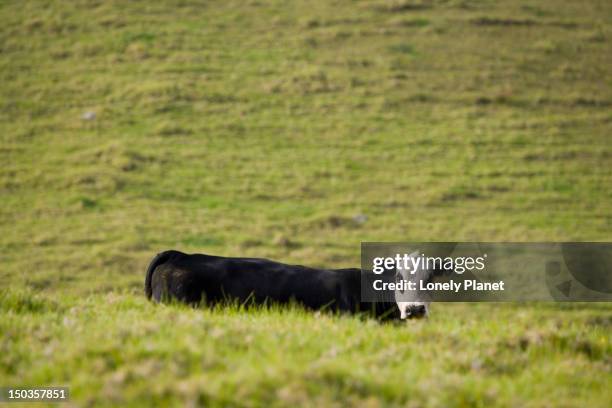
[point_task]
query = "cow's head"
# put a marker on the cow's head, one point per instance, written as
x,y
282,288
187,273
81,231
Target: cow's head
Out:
x,y
412,304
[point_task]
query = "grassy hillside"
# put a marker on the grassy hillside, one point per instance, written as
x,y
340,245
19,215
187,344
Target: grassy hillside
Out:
x,y
294,132
119,349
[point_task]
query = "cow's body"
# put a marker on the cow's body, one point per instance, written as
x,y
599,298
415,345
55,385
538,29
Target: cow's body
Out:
x,y
196,277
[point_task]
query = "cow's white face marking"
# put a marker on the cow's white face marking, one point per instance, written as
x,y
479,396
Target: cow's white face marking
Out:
x,y
406,300
406,309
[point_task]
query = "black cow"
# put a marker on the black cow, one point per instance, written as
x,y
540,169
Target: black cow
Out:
x,y
193,278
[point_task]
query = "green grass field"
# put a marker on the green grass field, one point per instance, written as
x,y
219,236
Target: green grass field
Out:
x,y
294,131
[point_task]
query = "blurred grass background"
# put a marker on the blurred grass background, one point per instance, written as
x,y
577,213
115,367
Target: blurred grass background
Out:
x,y
293,131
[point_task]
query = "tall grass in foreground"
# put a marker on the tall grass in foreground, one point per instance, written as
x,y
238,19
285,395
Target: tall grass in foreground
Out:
x,y
118,348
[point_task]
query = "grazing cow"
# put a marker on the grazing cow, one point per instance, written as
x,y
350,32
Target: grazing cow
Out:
x,y
193,278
